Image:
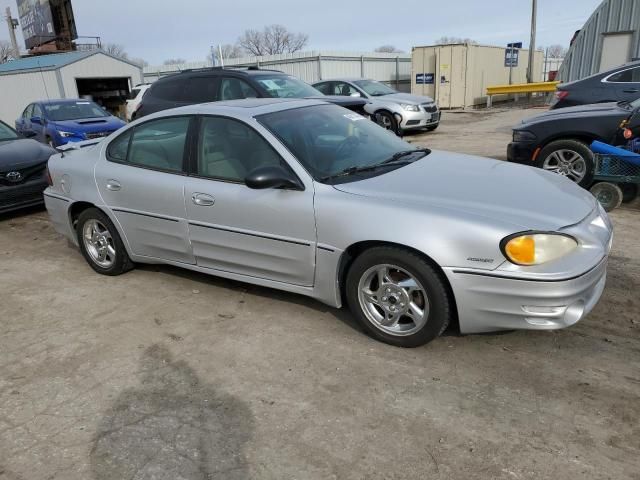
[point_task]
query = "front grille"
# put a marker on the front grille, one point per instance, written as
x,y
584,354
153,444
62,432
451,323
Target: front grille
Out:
x,y
21,194
27,174
91,136
430,107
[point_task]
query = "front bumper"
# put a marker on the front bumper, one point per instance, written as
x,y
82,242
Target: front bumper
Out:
x,y
421,119
21,196
520,152
490,302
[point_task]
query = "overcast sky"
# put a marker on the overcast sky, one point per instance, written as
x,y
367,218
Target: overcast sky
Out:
x,y
159,29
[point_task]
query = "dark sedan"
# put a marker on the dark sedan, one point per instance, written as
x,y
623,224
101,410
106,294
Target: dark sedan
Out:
x,y
619,84
558,140
23,170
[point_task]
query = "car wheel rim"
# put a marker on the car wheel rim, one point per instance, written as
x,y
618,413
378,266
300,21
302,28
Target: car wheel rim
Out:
x,y
385,121
393,300
99,243
567,163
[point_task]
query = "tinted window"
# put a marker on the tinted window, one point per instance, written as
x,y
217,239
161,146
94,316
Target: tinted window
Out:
x,y
323,88
37,111
327,139
200,90
229,150
7,133
170,90
134,93
158,144
631,75
73,110
118,148
234,89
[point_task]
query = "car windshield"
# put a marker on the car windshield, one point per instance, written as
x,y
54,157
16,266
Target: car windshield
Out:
x,y
73,110
7,133
285,86
335,145
373,88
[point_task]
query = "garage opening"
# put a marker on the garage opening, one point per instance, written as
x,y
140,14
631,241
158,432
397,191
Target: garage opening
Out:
x,y
110,93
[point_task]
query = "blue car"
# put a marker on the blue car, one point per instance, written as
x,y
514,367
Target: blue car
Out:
x,y
58,122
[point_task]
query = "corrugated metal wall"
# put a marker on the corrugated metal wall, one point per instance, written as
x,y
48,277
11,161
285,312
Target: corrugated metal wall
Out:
x,y
612,16
17,90
314,66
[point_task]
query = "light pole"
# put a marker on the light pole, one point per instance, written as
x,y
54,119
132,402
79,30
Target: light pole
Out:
x,y
532,42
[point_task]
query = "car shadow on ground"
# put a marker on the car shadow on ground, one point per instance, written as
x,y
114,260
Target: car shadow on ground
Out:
x,y
172,425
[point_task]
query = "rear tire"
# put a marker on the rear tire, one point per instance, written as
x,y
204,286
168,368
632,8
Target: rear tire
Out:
x,y
630,191
608,194
398,297
570,158
101,244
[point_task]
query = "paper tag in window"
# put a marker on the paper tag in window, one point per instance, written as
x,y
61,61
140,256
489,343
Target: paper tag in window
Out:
x,y
354,117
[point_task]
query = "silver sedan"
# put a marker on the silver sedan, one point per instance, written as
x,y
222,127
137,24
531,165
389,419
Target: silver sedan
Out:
x,y
311,198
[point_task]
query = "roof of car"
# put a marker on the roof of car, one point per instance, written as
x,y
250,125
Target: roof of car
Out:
x,y
57,101
343,79
253,70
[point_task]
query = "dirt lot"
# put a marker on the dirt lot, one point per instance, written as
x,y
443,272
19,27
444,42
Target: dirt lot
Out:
x,y
167,374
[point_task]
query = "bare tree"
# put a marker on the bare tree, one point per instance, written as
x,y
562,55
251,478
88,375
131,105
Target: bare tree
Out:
x,y
116,50
229,50
7,52
174,61
556,51
139,61
271,40
388,49
447,40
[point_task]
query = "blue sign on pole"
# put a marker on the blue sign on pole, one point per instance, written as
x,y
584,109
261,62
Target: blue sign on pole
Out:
x,y
424,78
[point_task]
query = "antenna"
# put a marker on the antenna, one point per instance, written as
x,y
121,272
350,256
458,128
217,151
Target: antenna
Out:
x,y
46,91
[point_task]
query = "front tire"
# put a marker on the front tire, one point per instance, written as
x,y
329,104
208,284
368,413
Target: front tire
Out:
x,y
387,121
101,244
570,158
398,297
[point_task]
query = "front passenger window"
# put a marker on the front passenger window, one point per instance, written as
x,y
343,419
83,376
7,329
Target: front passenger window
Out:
x,y
229,150
234,89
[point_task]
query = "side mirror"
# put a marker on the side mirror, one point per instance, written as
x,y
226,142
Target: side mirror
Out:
x,y
355,94
29,134
272,177
37,120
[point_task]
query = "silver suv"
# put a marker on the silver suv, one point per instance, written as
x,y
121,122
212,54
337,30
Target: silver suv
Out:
x,y
394,110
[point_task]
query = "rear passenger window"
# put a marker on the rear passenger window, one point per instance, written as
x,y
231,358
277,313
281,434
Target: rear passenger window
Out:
x,y
631,75
200,90
158,144
323,88
170,90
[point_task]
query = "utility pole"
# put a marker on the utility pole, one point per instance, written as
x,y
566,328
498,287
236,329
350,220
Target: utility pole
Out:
x,y
12,23
532,42
220,55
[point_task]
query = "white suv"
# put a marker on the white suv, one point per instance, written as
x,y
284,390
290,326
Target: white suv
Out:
x,y
135,97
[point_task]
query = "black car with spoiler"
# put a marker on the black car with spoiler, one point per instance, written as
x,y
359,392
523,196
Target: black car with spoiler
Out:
x,y
223,83
23,170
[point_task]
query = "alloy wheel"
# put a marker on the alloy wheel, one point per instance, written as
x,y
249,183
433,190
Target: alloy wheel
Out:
x,y
393,300
99,243
567,163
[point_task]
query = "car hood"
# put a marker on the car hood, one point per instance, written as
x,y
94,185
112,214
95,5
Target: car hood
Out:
x,y
580,111
404,98
23,153
526,197
83,125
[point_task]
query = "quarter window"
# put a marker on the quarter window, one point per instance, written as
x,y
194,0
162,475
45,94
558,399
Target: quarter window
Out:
x,y
158,144
229,150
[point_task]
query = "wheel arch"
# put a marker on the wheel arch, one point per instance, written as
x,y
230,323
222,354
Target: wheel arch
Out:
x,y
354,250
583,137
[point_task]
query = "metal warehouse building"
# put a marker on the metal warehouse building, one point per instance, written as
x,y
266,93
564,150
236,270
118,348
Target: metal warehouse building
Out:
x,y
610,38
457,75
391,68
95,74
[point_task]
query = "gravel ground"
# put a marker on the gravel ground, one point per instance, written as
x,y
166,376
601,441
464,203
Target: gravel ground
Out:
x,y
168,374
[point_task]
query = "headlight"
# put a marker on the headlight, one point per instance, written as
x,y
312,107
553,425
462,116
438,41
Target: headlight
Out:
x,y
537,248
523,136
66,134
410,108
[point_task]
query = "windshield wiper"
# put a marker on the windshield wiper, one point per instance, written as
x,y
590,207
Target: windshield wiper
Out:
x,y
392,161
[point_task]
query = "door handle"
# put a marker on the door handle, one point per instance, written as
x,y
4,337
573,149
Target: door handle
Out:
x,y
631,90
202,199
113,185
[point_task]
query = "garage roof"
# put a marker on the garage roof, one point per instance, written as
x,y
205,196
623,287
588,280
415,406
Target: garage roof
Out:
x,y
49,62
